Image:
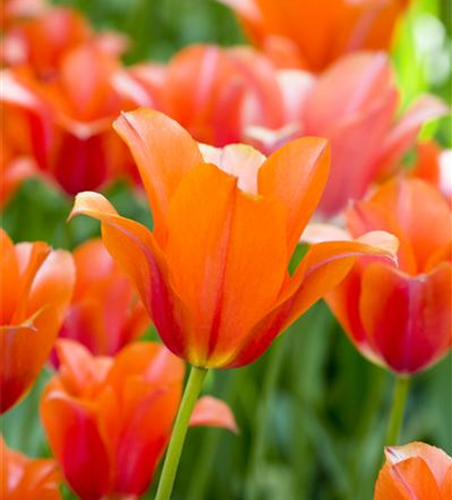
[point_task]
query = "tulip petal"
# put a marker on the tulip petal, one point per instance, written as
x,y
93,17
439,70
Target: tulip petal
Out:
x,y
407,319
403,134
323,267
212,412
227,253
296,175
9,277
163,151
73,435
410,479
135,250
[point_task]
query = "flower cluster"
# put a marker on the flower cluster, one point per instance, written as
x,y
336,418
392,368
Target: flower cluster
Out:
x,y
248,157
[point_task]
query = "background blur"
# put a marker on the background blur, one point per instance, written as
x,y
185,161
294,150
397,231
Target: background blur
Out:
x,y
325,423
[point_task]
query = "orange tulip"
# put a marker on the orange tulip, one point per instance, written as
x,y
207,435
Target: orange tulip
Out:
x,y
367,140
104,314
434,165
213,273
415,471
23,478
36,287
108,420
210,91
42,41
400,317
314,34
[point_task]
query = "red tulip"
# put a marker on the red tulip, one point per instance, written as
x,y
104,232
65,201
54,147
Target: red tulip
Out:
x,y
23,478
213,274
416,471
367,141
104,314
36,287
302,33
108,420
400,317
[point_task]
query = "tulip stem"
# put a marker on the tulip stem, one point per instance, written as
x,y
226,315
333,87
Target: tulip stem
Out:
x,y
397,410
191,393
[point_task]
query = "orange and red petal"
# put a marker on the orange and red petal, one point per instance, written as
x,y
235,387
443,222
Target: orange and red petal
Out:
x,y
407,319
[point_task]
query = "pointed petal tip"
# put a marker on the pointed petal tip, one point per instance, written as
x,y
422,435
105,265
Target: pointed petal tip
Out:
x,y
213,412
87,202
385,244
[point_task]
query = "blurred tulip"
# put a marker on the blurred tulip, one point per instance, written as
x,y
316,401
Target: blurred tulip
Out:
x,y
434,165
80,151
23,478
415,471
36,287
203,88
302,33
367,141
213,273
104,314
108,420
42,41
400,317
12,173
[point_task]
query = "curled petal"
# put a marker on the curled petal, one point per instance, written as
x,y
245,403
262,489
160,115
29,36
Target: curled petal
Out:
x,y
135,250
212,412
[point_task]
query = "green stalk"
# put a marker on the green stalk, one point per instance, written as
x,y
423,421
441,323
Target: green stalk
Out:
x,y
397,410
257,452
191,393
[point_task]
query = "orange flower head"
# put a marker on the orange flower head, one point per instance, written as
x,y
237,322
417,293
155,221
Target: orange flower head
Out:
x,y
416,470
41,42
108,420
212,91
400,317
23,478
312,35
213,274
36,287
105,314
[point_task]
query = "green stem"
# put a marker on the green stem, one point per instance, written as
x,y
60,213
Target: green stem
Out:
x,y
257,452
397,410
191,393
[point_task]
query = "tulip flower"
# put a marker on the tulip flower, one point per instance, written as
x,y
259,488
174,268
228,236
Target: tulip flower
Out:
x,y
108,420
213,273
80,150
105,314
367,140
415,471
36,287
23,478
312,35
42,41
434,165
400,317
210,91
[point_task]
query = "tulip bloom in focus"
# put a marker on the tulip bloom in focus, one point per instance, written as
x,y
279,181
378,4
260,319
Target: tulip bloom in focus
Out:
x,y
105,314
312,35
367,140
36,287
213,274
23,478
400,317
415,471
108,420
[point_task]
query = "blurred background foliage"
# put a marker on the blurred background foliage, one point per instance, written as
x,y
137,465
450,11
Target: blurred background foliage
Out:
x,y
320,435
